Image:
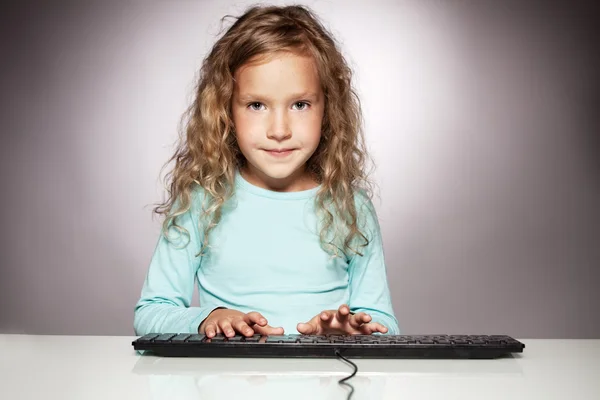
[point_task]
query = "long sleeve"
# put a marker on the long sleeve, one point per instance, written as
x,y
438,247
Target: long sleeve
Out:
x,y
369,290
164,305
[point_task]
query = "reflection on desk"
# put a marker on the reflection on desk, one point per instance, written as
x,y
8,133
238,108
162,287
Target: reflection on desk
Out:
x,y
301,378
88,367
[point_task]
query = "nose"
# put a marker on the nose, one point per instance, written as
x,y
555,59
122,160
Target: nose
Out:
x,y
279,128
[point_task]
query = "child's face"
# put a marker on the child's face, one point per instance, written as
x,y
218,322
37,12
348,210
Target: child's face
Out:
x,y
277,110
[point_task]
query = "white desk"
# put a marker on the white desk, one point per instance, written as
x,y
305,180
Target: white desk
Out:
x,y
107,368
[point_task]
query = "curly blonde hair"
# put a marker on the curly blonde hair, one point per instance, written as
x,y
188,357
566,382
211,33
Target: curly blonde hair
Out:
x,y
207,152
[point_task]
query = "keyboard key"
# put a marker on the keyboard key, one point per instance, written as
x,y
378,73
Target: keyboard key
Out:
x,y
164,337
196,338
180,338
281,339
147,338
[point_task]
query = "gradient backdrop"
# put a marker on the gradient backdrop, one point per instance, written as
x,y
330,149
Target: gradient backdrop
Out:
x,y
482,117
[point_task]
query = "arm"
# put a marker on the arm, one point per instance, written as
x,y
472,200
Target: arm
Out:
x,y
369,290
164,305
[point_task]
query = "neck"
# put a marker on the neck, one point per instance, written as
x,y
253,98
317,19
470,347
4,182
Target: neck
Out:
x,y
298,181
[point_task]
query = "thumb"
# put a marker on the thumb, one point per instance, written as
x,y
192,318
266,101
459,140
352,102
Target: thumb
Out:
x,y
307,328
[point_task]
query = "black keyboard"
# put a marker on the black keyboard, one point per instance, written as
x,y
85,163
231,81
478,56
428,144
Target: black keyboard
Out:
x,y
355,346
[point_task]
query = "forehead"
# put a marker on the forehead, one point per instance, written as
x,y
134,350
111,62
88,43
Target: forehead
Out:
x,y
279,72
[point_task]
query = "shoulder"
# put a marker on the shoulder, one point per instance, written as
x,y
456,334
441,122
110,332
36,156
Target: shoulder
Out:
x,y
198,197
366,214
361,197
189,202
364,203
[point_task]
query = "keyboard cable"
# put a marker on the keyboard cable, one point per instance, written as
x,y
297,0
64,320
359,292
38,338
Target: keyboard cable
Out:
x,y
343,380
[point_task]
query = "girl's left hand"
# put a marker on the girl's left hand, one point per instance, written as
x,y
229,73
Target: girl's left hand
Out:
x,y
340,322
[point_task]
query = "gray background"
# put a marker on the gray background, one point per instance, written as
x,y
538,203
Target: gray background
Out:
x,y
482,119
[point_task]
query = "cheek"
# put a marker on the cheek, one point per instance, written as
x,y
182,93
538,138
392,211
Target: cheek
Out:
x,y
241,131
246,130
243,140
313,133
313,140
247,141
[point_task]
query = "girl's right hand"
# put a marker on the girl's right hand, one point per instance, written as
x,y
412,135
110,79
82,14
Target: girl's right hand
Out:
x,y
229,322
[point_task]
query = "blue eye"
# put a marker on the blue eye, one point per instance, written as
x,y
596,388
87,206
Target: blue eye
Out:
x,y
254,105
302,105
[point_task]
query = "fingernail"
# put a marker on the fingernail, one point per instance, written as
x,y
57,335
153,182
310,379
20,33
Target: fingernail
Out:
x,y
263,321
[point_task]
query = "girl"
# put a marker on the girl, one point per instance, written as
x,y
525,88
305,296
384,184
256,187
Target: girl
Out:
x,y
268,203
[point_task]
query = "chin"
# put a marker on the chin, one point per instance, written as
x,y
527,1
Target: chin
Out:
x,y
275,171
278,173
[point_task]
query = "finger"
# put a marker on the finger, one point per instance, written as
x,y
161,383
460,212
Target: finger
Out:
x,y
210,329
242,327
381,328
255,318
359,319
342,313
326,316
368,329
268,330
365,329
307,328
325,321
226,327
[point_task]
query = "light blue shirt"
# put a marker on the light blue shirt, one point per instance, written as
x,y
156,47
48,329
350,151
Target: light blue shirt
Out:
x,y
264,256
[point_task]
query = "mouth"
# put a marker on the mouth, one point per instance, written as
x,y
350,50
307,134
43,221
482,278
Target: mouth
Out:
x,y
279,152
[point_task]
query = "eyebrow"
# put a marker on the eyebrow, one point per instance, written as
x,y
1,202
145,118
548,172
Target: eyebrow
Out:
x,y
251,96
